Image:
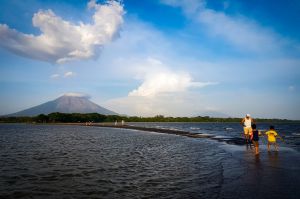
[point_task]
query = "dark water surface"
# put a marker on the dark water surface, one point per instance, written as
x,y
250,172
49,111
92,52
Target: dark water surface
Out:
x,y
52,161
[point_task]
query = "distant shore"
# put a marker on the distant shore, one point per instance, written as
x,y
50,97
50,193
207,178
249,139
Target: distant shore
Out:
x,y
100,118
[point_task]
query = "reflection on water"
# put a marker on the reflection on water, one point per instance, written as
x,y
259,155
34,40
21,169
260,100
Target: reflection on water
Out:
x,y
257,160
267,175
273,158
249,146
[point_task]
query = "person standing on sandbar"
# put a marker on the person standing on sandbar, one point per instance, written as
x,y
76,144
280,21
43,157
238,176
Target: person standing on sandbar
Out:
x,y
246,123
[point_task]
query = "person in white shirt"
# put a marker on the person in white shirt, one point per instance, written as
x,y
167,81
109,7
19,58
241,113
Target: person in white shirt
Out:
x,y
246,123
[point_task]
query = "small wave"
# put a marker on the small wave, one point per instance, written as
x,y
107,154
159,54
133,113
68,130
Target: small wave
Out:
x,y
194,128
174,129
223,137
206,134
296,134
160,127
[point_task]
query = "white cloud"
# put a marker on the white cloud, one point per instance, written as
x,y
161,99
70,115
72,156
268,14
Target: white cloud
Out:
x,y
166,82
65,75
69,74
61,40
75,94
159,79
55,76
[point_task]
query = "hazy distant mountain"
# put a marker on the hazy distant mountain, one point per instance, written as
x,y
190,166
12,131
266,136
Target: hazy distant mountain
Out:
x,y
66,104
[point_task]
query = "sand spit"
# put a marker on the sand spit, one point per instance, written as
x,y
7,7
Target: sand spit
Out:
x,y
236,141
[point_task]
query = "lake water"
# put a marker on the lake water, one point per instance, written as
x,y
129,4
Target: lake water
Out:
x,y
60,161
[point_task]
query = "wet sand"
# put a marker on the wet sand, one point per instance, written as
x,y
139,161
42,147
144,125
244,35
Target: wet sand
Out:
x,y
267,175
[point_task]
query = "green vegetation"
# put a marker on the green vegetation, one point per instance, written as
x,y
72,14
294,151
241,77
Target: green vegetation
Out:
x,y
95,117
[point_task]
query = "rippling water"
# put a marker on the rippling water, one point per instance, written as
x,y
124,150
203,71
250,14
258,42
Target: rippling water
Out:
x,y
40,160
57,161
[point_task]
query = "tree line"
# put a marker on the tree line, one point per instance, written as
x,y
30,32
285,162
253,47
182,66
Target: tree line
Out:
x,y
96,117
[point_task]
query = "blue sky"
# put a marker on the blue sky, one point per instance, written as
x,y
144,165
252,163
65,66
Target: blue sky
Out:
x,y
150,57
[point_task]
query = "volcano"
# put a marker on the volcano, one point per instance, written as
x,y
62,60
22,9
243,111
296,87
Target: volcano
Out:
x,y
68,103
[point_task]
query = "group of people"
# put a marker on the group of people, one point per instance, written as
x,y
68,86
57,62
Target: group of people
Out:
x,y
122,123
251,134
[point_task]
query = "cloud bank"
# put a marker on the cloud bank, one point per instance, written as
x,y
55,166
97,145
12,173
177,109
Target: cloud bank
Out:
x,y
166,82
158,78
162,90
61,41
